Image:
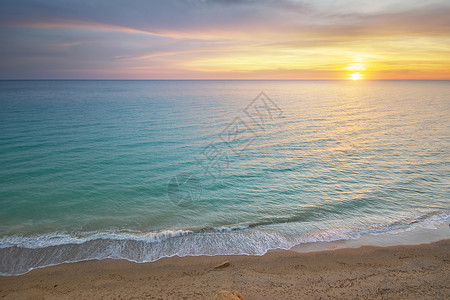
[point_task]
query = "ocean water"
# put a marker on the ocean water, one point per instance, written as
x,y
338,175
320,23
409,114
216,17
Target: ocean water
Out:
x,y
141,170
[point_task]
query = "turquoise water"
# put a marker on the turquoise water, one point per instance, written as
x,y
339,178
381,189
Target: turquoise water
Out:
x,y
88,168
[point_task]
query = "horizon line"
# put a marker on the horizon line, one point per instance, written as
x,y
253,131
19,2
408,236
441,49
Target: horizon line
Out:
x,y
102,79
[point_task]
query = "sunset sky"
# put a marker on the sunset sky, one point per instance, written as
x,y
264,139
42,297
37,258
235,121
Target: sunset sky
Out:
x,y
219,39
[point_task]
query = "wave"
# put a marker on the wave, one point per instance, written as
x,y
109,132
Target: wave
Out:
x,y
62,238
21,254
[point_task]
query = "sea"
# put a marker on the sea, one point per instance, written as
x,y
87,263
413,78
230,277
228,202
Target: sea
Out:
x,y
142,170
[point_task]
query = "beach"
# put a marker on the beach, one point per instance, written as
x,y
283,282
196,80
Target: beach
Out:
x,y
367,272
226,150
104,194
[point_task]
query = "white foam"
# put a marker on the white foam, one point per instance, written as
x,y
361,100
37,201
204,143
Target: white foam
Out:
x,y
62,238
230,228
19,254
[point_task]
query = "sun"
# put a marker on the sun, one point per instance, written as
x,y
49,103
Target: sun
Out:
x,y
356,76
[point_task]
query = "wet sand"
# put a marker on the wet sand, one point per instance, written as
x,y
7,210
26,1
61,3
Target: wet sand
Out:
x,y
368,272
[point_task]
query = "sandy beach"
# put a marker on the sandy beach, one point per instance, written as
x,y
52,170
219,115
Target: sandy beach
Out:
x,y
225,150
368,272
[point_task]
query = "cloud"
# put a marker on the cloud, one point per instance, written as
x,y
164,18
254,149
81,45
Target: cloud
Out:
x,y
221,17
188,38
158,16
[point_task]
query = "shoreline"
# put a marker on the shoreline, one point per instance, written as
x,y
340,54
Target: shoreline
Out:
x,y
423,234
391,272
414,236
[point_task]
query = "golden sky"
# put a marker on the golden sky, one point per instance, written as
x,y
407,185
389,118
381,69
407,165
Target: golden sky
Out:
x,y
220,39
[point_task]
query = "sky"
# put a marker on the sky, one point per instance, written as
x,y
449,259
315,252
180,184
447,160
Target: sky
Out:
x,y
225,39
